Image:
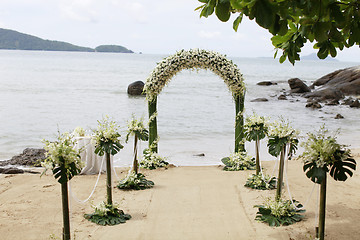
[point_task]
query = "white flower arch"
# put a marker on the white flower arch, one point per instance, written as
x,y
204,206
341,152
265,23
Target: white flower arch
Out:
x,y
196,59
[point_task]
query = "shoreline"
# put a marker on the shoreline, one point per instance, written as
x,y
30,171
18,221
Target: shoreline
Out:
x,y
187,202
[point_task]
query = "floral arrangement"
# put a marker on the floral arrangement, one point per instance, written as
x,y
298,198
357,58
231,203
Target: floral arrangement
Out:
x,y
256,127
78,132
137,128
136,181
279,212
323,154
107,214
62,158
107,137
152,160
258,181
238,161
280,135
194,59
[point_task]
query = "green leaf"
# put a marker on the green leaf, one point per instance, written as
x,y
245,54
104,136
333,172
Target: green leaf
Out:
x,y
237,22
264,14
314,173
340,169
222,10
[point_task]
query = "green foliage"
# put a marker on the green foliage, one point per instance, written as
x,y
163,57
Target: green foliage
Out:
x,y
282,134
137,128
106,214
238,161
106,137
135,181
62,158
112,48
10,39
152,160
331,24
279,212
256,127
260,182
323,154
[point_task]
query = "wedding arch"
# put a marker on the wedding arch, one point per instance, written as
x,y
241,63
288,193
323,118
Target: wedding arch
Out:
x,y
195,59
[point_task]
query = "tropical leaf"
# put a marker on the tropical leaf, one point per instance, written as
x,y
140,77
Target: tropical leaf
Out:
x,y
340,169
315,173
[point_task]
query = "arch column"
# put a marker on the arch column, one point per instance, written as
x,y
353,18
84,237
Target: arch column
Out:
x,y
153,146
239,122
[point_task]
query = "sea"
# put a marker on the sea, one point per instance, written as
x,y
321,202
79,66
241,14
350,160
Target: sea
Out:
x,y
44,92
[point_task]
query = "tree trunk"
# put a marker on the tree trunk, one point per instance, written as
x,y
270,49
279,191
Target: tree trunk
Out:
x,y
135,164
322,209
257,146
108,179
281,174
65,207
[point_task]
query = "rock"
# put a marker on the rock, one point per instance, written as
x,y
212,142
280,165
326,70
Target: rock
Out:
x,y
199,155
266,83
313,105
259,100
282,97
298,86
136,88
324,94
355,104
339,116
29,157
333,102
13,170
345,80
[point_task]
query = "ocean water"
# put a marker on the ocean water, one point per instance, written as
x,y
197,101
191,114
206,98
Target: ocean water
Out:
x,y
43,92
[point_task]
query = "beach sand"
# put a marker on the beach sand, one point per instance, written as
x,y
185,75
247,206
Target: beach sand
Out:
x,y
186,203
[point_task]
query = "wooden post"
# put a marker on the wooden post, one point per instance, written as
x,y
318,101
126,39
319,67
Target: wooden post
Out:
x,y
322,209
239,122
108,179
257,159
152,125
65,208
281,174
135,164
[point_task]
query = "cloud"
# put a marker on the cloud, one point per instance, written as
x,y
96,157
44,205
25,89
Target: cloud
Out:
x,y
209,35
79,10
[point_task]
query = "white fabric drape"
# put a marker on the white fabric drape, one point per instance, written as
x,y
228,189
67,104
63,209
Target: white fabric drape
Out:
x,y
91,160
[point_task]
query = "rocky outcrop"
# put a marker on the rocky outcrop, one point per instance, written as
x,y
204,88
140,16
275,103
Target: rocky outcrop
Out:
x,y
29,157
259,100
347,81
298,86
13,170
136,88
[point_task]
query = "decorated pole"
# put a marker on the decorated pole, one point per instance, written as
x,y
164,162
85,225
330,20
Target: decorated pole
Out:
x,y
64,161
280,175
322,154
108,179
322,209
152,125
135,164
257,158
65,208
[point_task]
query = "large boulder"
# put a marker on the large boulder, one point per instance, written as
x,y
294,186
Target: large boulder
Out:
x,y
29,157
325,94
345,80
298,86
136,88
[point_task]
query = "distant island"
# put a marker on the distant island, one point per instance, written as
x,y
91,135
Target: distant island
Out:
x,y
13,40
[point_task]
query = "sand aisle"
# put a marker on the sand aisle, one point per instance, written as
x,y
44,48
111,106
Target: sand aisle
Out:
x,y
186,203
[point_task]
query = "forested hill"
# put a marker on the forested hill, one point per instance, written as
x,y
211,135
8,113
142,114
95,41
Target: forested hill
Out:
x,y
10,39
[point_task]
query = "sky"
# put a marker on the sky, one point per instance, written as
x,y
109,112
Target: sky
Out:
x,y
147,26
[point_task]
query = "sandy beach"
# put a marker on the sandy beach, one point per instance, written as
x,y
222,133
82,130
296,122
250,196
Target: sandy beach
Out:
x,y
186,203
